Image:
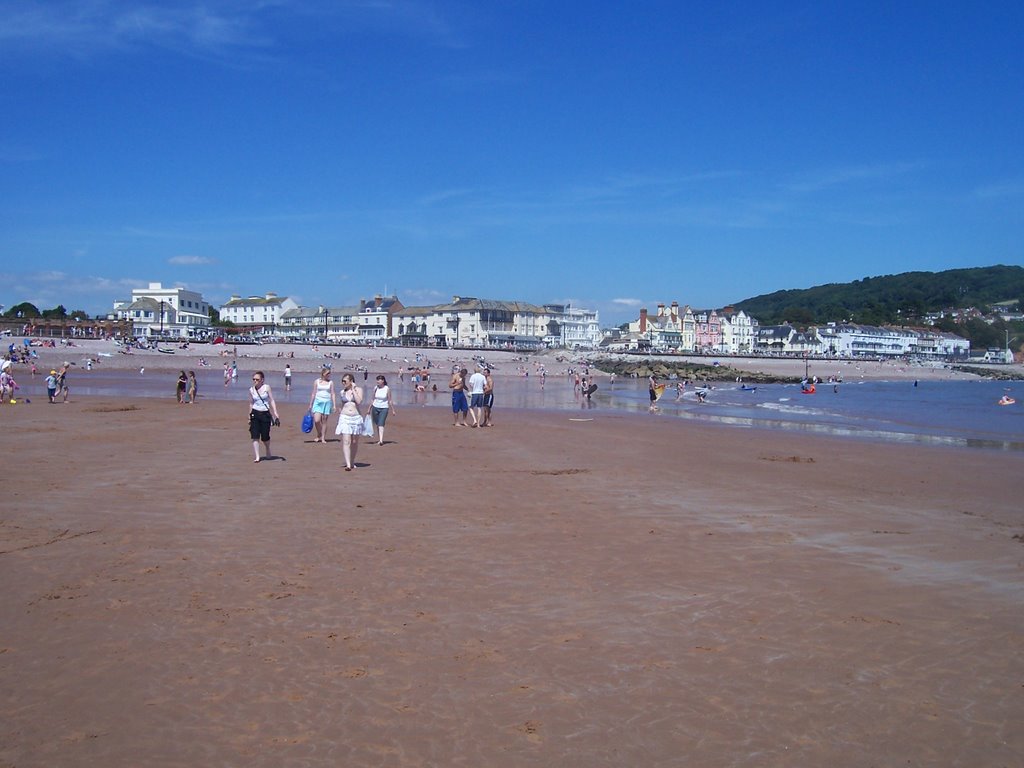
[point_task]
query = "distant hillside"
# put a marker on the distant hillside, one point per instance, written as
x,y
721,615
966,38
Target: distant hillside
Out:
x,y
890,298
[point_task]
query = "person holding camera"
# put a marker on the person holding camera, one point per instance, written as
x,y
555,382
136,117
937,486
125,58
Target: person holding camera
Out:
x,y
262,414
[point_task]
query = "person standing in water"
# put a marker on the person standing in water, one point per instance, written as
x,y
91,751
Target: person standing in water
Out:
x,y
180,387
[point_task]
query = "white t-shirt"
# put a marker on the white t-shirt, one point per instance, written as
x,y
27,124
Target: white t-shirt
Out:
x,y
477,382
260,398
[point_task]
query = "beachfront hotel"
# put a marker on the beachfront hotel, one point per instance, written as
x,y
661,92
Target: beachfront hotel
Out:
x,y
258,314
156,311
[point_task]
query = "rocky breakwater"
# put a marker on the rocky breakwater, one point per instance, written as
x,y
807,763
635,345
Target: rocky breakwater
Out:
x,y
667,369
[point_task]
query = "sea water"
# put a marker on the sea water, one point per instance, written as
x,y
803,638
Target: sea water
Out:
x,y
957,413
960,413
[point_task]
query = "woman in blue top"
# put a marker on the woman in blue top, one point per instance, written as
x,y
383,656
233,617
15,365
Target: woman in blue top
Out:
x,y
322,403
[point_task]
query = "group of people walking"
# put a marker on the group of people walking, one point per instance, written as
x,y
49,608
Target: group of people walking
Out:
x,y
323,401
472,397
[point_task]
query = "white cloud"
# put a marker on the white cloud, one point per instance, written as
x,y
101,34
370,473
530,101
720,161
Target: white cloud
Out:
x,y
1005,189
222,30
628,302
412,297
835,177
190,260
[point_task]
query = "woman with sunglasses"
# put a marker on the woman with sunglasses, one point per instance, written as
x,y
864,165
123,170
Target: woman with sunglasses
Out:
x,y
350,422
262,413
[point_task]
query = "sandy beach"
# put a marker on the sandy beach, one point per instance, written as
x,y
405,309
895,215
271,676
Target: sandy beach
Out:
x,y
619,591
306,359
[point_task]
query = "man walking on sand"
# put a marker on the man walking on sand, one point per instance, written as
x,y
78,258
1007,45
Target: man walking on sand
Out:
x,y
477,383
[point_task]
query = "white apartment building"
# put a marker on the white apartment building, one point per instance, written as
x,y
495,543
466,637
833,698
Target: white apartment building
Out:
x,y
851,340
323,323
472,322
578,328
370,322
256,314
156,311
739,331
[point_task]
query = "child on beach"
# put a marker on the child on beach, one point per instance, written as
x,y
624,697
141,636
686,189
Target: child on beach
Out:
x,y
51,386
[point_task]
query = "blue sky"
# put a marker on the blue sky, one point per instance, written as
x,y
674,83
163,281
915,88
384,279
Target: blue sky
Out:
x,y
609,154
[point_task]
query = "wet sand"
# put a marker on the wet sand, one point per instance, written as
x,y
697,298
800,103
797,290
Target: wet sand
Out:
x,y
621,591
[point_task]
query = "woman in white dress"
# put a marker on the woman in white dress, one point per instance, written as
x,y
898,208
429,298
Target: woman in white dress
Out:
x,y
350,422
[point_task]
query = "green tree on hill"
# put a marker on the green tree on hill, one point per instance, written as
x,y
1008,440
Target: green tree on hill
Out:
x,y
25,309
890,299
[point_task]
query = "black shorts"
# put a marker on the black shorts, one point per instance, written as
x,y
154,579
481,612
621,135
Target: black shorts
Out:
x,y
259,425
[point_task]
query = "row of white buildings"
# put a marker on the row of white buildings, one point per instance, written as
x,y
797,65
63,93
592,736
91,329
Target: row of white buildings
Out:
x,y
853,340
730,331
156,311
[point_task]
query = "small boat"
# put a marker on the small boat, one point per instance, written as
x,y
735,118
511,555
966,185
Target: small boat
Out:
x,y
1006,400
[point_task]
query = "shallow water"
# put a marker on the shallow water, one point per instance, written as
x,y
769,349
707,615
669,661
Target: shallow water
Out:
x,y
956,413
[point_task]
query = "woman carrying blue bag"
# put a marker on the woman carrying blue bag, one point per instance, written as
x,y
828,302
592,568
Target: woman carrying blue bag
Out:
x,y
321,403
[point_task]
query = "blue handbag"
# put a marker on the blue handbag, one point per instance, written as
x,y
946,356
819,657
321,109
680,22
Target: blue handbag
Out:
x,y
307,422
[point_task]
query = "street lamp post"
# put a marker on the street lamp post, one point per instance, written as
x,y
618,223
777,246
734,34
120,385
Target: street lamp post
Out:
x,y
161,318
